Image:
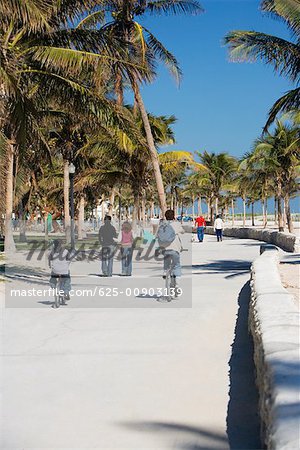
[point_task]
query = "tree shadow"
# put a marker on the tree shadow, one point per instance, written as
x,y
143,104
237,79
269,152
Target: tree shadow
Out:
x,y
243,422
26,274
186,437
223,266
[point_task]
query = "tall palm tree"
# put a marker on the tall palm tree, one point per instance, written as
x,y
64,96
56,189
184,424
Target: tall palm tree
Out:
x,y
278,153
45,60
282,54
148,50
174,165
219,170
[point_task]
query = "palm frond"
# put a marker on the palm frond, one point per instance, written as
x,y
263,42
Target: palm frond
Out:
x,y
288,10
174,7
283,55
162,54
288,102
92,20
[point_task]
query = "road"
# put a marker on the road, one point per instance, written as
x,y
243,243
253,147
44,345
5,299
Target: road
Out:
x,y
134,373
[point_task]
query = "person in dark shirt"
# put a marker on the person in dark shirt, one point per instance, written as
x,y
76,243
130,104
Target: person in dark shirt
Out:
x,y
107,239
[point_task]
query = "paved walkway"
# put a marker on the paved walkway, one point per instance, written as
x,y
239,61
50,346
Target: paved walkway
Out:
x,y
156,377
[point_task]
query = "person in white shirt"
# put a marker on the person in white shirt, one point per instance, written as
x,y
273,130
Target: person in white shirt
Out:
x,y
218,227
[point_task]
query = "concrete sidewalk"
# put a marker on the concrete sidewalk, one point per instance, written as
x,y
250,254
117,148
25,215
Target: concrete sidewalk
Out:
x,y
155,377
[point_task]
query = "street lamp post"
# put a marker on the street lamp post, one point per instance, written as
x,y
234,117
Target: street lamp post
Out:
x,y
71,175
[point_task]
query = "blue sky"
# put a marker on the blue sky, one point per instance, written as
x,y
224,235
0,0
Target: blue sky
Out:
x,y
220,105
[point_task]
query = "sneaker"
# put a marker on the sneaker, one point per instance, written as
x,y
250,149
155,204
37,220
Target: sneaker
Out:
x,y
164,274
67,296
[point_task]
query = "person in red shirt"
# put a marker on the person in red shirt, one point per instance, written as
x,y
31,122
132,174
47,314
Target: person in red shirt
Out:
x,y
200,224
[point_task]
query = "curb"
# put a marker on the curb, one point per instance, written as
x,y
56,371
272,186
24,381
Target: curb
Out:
x,y
274,324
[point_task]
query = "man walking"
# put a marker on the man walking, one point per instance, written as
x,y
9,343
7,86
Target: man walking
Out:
x,y
218,227
200,224
107,236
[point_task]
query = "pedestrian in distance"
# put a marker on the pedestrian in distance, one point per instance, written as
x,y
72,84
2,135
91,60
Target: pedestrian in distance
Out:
x,y
200,224
218,227
125,239
107,239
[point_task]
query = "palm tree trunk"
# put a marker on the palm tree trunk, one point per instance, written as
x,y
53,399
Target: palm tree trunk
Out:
x,y
22,221
152,149
288,213
275,211
111,201
67,201
143,209
284,219
279,214
217,205
193,201
199,204
135,211
279,206
102,207
151,209
9,244
252,214
232,212
264,212
244,212
81,231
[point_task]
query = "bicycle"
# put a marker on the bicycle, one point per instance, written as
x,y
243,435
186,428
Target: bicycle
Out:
x,y
59,298
171,288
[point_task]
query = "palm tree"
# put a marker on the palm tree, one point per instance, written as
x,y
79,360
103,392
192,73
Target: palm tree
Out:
x,y
278,153
46,61
174,165
219,170
283,55
147,50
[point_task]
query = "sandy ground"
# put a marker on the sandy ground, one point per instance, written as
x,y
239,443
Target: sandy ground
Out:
x,y
289,269
122,376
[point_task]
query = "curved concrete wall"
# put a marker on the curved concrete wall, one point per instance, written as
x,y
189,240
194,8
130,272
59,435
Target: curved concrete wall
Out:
x,y
287,242
274,324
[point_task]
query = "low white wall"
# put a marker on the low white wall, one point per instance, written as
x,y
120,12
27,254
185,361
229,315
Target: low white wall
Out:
x,y
274,324
287,242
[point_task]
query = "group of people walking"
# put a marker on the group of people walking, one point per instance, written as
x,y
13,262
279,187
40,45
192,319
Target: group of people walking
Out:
x,y
200,224
109,239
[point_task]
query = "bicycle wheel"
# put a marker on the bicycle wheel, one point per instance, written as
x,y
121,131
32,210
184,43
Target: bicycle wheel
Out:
x,y
168,286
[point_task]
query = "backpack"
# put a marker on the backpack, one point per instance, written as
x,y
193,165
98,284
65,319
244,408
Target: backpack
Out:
x,y
165,234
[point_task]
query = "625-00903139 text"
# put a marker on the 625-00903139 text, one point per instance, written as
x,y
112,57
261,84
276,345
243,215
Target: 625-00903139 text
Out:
x,y
96,291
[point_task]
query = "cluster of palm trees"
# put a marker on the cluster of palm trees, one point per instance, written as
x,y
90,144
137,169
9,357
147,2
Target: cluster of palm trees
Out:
x,y
65,69
270,170
64,66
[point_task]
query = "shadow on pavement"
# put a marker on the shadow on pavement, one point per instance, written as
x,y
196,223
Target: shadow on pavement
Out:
x,y
185,437
243,424
233,267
